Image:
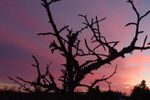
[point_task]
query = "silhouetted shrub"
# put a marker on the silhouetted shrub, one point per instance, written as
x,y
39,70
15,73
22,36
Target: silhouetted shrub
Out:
x,y
140,92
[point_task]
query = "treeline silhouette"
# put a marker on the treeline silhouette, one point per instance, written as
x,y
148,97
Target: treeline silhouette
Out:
x,y
109,95
139,92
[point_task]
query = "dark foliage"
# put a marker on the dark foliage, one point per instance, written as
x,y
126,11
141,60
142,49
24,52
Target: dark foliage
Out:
x,y
140,92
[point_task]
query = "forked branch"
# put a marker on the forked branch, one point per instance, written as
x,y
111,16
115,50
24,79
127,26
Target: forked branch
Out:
x,y
43,83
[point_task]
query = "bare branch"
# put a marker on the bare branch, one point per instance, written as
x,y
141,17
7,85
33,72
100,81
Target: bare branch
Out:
x,y
145,14
48,33
144,42
63,28
131,23
134,8
24,87
104,78
52,1
98,57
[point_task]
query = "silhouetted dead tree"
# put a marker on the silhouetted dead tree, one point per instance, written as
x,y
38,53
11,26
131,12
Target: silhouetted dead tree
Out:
x,y
69,47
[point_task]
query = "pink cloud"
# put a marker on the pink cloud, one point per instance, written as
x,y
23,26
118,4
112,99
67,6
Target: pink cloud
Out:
x,y
129,73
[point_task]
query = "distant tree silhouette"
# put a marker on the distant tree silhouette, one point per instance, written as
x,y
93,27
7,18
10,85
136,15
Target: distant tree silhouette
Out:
x,y
68,44
140,92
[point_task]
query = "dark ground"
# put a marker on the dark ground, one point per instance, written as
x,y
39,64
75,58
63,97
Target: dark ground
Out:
x,y
11,95
109,95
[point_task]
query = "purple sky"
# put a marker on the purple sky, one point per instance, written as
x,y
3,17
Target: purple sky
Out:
x,y
21,20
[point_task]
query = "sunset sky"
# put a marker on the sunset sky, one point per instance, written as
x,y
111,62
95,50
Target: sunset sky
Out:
x,y
21,20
